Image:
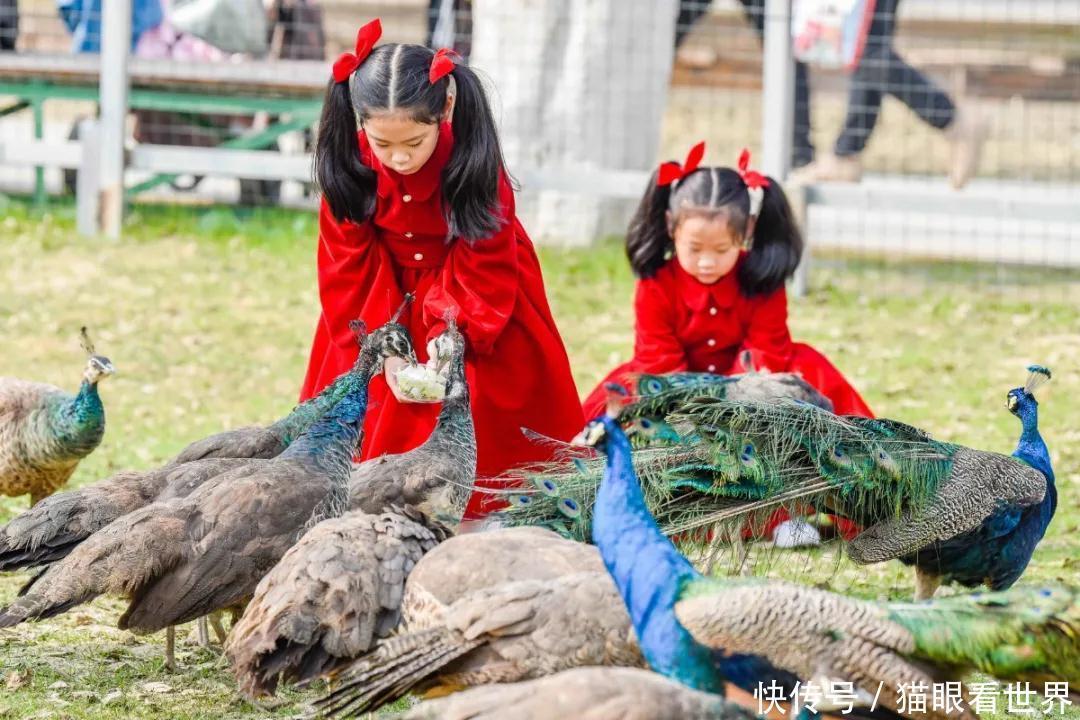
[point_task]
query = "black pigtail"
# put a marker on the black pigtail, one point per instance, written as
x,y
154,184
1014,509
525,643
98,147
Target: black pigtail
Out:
x,y
648,240
471,177
777,245
347,185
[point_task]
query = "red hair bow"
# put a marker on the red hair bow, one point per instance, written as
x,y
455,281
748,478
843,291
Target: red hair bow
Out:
x,y
347,62
752,178
442,64
672,171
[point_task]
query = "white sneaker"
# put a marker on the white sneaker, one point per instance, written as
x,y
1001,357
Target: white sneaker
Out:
x,y
796,533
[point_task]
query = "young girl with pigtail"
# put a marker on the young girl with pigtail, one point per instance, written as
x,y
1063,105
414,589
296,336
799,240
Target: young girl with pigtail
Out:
x,y
416,199
712,248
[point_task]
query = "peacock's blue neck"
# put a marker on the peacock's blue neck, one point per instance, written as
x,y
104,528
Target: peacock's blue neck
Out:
x,y
79,422
331,441
1031,448
648,571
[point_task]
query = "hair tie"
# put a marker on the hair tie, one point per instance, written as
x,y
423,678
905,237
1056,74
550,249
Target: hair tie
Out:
x,y
442,64
755,182
347,62
671,171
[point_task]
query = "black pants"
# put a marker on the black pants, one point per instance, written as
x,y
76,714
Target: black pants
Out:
x,y
9,24
882,71
802,151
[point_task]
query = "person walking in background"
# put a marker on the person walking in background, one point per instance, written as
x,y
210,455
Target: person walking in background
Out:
x,y
880,70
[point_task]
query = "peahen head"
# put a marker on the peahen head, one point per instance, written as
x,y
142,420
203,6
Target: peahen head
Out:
x,y
98,367
449,344
390,340
1021,401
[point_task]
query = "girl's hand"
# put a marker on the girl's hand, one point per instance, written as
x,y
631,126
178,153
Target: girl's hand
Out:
x,y
390,370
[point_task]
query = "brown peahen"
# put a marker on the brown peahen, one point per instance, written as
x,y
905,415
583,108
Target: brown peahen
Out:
x,y
46,431
180,559
498,606
339,589
586,693
52,528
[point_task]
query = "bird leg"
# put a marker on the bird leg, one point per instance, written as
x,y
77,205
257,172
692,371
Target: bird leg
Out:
x,y
170,648
926,584
37,496
203,632
219,630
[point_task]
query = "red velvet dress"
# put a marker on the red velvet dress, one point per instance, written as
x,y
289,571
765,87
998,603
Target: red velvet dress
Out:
x,y
516,364
685,325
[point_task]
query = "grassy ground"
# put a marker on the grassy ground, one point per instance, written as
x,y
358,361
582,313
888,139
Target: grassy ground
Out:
x,y
208,315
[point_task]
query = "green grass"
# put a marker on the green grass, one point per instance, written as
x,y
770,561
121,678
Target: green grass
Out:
x,y
208,315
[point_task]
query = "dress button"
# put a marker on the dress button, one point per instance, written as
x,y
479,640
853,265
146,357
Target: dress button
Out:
x,y
712,368
711,343
712,311
406,198
418,256
408,235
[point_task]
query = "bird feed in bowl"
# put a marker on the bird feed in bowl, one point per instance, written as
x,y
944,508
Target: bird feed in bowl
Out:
x,y
420,382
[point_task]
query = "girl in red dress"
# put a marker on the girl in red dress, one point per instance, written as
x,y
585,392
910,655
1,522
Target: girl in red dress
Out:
x,y
712,248
417,199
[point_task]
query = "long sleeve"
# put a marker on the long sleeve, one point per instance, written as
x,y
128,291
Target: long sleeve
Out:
x,y
355,276
479,282
767,337
657,348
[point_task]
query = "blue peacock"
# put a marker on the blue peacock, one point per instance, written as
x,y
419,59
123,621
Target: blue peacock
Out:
x,y
995,552
740,460
693,628
45,431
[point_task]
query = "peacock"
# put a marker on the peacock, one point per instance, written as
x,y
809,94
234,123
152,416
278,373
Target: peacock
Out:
x,y
742,459
52,528
996,551
178,560
497,606
699,630
585,693
436,477
45,431
339,589
330,598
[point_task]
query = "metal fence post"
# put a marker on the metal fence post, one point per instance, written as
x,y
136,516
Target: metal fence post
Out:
x,y
778,108
87,178
115,47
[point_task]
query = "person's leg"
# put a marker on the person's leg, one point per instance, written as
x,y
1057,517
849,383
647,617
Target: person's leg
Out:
x,y
802,149
9,24
869,81
690,11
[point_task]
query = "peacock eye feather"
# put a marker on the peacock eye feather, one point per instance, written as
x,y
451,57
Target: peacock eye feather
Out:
x,y
570,508
651,386
546,486
521,500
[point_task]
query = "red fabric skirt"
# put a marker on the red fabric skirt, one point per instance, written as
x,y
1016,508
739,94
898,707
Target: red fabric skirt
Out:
x,y
814,367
